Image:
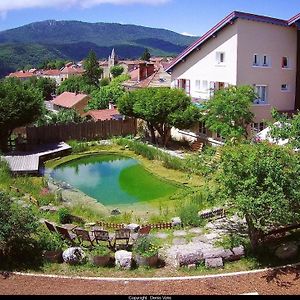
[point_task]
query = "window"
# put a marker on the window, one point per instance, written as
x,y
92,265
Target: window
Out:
x,y
262,92
205,85
202,128
184,84
285,62
198,85
255,60
257,127
220,57
284,87
266,61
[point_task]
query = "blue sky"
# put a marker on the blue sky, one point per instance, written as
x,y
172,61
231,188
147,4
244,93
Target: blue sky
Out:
x,y
183,16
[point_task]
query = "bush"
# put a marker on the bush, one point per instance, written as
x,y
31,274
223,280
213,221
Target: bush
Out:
x,y
188,214
64,216
78,147
50,242
101,250
146,247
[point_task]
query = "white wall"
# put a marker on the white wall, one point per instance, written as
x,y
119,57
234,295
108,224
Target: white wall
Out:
x,y
202,64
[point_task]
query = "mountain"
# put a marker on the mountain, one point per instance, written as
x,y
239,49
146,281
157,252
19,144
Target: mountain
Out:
x,y
36,42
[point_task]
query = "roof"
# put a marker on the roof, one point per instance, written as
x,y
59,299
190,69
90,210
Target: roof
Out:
x,y
22,74
51,72
103,115
72,70
227,21
68,100
294,19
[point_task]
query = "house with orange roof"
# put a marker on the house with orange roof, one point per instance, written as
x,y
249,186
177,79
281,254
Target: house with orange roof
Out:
x,y
52,74
69,100
22,75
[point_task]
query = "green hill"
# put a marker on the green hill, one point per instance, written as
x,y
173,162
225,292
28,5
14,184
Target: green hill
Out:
x,y
34,43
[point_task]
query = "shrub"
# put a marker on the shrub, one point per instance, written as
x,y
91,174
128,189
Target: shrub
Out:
x,y
64,216
78,147
50,242
188,214
101,250
146,247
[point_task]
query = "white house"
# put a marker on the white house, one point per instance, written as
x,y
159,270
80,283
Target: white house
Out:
x,y
244,49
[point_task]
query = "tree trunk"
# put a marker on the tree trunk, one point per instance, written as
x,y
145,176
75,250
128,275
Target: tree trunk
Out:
x,y
254,234
152,133
4,135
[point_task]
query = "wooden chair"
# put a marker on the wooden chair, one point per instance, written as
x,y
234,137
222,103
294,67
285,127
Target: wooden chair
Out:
x,y
67,235
102,236
144,231
50,226
84,236
121,236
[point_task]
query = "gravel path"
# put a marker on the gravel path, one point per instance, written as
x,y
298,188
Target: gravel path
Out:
x,y
277,282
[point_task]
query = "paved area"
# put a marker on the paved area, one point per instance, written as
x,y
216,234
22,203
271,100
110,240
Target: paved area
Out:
x,y
274,282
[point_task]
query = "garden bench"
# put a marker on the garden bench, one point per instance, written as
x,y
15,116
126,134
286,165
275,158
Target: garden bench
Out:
x,y
121,236
67,234
50,226
102,236
217,213
84,236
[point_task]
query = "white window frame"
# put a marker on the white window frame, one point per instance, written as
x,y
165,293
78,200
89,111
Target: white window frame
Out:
x,y
259,100
219,55
198,85
205,86
287,89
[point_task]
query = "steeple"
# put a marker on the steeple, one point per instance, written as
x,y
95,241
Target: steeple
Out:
x,y
113,54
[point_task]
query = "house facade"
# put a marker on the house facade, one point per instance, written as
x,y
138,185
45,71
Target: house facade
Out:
x,y
244,49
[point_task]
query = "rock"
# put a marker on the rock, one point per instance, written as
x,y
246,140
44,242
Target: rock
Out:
x,y
176,221
287,251
238,253
185,258
49,208
214,263
74,256
162,236
214,253
133,227
199,239
179,241
196,231
179,233
123,259
116,212
192,267
211,238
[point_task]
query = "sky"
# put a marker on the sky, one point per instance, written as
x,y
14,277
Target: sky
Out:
x,y
191,17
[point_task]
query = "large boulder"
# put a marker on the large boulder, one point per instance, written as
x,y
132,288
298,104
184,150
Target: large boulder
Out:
x,y
74,256
186,258
214,263
133,227
123,259
238,253
287,251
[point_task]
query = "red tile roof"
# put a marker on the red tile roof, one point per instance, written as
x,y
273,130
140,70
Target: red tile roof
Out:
x,y
21,74
51,72
103,115
68,100
72,71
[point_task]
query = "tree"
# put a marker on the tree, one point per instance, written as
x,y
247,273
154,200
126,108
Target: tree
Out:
x,y
20,105
161,109
146,55
46,85
116,71
228,112
75,84
93,71
103,96
286,128
260,180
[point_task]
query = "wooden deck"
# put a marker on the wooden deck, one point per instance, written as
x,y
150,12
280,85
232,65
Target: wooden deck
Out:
x,y
29,162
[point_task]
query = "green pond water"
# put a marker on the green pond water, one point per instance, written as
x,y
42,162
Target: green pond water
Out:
x,y
112,179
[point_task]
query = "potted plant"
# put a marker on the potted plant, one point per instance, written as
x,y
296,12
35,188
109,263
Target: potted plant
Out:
x,y
52,246
101,256
146,252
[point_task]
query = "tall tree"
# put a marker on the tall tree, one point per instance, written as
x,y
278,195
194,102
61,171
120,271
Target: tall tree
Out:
x,y
46,85
75,84
20,105
228,112
93,71
146,55
260,181
286,128
161,109
116,71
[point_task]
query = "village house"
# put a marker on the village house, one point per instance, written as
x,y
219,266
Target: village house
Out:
x,y
52,74
244,49
23,75
69,100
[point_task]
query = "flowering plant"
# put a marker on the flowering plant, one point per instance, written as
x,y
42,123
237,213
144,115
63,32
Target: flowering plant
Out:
x,y
146,247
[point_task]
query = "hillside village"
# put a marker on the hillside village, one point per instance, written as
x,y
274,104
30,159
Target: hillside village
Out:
x,y
158,165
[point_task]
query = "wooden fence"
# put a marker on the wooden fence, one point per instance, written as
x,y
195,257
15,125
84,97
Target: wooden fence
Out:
x,y
122,226
87,131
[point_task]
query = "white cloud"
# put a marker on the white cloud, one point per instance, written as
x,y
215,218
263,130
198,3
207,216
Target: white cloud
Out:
x,y
188,34
8,5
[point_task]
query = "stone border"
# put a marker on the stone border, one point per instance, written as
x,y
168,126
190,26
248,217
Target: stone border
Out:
x,y
155,279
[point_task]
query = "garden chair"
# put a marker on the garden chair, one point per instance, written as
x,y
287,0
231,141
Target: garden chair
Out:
x,y
67,235
121,236
50,226
102,236
144,231
84,236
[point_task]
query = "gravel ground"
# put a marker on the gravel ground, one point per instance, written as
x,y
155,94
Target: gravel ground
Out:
x,y
277,282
